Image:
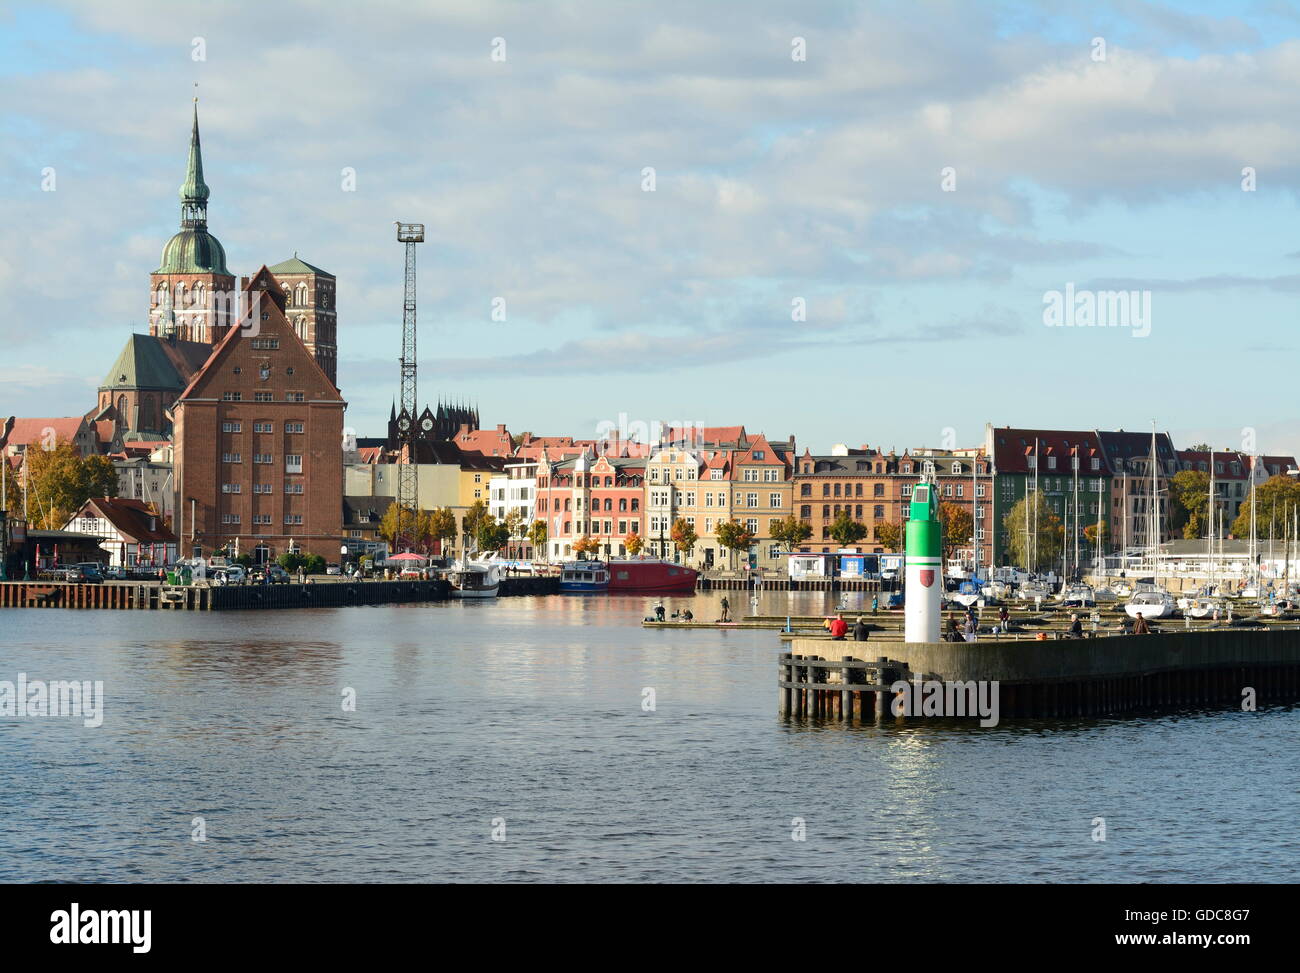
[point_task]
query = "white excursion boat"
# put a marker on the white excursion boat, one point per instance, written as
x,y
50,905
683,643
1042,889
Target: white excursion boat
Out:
x,y
474,579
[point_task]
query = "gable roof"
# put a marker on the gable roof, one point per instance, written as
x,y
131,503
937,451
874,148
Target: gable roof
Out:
x,y
285,332
156,363
130,518
294,265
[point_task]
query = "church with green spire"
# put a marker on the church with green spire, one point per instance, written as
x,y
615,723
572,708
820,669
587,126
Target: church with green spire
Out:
x,y
192,293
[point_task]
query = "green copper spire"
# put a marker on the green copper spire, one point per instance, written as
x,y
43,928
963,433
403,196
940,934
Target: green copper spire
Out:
x,y
194,250
194,192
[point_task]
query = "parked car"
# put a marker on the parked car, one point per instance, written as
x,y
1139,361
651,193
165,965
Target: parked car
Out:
x,y
87,572
276,574
333,569
115,572
231,574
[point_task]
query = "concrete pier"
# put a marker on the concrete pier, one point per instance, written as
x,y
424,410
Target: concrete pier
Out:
x,y
1084,677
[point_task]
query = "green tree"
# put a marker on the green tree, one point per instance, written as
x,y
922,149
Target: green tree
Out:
x,y
313,564
683,535
60,480
734,538
516,524
537,536
1050,534
790,532
291,561
1189,494
845,530
1275,501
475,515
889,535
490,535
958,527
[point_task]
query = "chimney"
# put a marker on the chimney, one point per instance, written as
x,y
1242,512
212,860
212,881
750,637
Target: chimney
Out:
x,y
501,427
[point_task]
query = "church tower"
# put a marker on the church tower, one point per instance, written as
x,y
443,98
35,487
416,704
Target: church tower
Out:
x,y
192,294
310,308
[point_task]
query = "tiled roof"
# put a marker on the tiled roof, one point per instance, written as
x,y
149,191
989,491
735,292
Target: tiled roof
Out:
x,y
130,518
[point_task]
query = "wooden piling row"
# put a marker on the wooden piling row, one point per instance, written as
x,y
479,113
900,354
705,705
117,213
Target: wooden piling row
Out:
x,y
845,689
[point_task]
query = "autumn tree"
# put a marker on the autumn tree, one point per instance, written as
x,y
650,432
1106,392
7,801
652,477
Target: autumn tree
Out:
x,y
402,523
442,525
634,543
791,532
60,480
537,536
683,535
734,538
1043,545
585,545
958,527
1276,499
889,536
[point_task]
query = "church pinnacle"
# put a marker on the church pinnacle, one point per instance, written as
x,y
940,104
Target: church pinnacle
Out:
x,y
194,250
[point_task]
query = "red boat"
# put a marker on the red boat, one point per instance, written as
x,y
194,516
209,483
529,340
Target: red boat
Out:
x,y
650,575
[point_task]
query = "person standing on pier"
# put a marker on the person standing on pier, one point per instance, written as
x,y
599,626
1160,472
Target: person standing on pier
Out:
x,y
875,604
1140,626
659,611
726,609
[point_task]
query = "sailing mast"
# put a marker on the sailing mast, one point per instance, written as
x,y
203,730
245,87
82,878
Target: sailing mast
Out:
x,y
1155,512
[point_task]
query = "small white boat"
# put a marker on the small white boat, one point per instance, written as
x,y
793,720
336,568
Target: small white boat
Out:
x,y
1151,603
1078,596
1033,590
474,579
1204,608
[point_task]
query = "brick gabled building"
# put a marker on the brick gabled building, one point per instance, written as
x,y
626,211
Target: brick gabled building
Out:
x,y
259,435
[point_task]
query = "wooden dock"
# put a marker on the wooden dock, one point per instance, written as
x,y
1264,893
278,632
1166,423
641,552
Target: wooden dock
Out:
x,y
200,597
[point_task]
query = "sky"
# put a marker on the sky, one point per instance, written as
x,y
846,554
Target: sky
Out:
x,y
855,246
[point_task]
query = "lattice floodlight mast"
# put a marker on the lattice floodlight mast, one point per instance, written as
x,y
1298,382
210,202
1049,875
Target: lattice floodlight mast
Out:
x,y
408,473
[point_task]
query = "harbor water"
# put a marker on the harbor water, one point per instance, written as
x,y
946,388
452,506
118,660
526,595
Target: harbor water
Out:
x,y
552,739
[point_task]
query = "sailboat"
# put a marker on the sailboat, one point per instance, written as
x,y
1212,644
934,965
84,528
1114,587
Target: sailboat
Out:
x,y
1149,599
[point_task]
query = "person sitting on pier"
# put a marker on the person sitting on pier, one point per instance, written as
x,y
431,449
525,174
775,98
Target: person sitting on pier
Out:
x,y
860,633
952,634
839,628
1140,626
688,616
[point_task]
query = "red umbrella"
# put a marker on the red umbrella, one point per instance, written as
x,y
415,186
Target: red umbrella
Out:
x,y
407,556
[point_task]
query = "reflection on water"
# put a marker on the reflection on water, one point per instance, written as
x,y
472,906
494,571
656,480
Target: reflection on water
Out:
x,y
530,709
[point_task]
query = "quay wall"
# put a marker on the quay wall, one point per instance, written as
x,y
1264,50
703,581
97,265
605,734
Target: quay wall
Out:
x,y
1065,677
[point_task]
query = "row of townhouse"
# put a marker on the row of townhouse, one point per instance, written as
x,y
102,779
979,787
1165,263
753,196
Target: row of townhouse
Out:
x,y
875,489
703,476
1118,479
